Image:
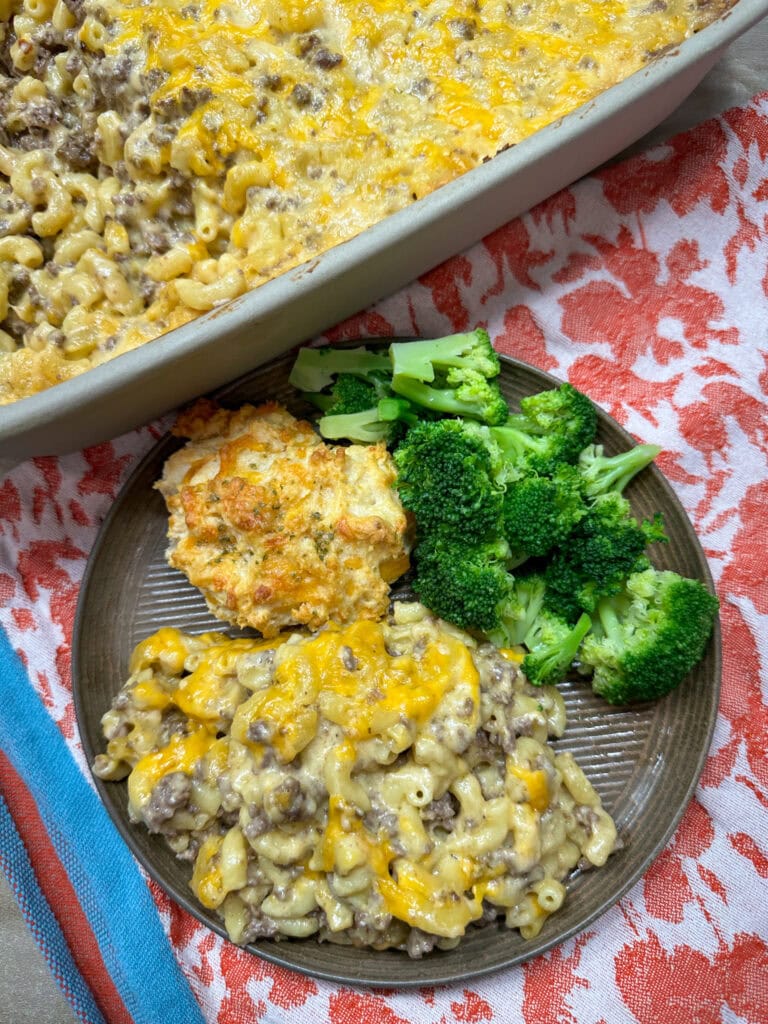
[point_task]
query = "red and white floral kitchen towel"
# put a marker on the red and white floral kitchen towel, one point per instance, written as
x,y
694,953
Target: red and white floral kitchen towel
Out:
x,y
645,285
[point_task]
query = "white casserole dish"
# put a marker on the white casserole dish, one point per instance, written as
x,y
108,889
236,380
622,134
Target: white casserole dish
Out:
x,y
220,345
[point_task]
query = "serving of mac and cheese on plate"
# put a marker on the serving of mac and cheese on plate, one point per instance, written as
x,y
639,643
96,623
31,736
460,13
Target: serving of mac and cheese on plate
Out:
x,y
157,160
382,784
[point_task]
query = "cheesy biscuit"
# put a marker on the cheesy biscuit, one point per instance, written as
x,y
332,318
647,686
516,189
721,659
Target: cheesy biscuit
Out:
x,y
277,528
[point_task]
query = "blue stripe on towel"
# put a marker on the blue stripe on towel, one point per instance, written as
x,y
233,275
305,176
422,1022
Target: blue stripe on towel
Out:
x,y
16,865
103,873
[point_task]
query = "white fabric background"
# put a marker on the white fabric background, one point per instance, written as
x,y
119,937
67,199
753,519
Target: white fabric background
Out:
x,y
28,994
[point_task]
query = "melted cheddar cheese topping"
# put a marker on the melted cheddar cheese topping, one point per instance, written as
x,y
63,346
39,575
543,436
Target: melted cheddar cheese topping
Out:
x,y
356,683
181,754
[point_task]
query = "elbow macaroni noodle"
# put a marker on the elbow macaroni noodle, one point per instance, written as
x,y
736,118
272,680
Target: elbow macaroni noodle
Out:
x,y
203,148
382,784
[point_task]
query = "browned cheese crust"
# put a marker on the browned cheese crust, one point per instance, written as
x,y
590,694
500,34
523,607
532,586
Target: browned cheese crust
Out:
x,y
274,526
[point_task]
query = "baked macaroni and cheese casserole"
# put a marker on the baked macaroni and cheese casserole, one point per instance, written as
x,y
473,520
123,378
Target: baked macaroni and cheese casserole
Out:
x,y
384,784
159,158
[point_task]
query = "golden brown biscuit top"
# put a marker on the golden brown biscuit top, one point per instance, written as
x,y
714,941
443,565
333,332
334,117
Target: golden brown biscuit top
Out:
x,y
278,528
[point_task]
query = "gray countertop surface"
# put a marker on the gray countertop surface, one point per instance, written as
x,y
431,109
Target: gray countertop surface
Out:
x,y
28,993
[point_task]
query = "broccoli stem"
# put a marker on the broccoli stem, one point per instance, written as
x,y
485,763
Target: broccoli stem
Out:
x,y
609,621
472,396
548,662
435,399
315,368
519,612
612,473
515,444
318,399
354,426
397,409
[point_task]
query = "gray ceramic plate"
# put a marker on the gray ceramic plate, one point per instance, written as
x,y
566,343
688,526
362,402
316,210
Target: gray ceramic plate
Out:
x,y
644,762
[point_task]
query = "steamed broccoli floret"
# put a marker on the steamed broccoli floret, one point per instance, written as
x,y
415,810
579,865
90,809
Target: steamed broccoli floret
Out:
x,y
602,473
454,375
541,511
465,584
646,640
463,393
387,420
428,360
606,547
552,643
445,478
563,411
359,410
316,368
552,427
349,394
